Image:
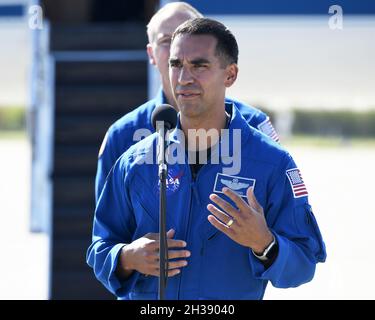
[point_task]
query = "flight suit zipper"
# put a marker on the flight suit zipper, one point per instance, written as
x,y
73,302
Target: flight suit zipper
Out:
x,y
193,193
188,226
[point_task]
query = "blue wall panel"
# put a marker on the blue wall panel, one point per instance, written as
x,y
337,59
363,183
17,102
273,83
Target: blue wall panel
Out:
x,y
313,7
11,10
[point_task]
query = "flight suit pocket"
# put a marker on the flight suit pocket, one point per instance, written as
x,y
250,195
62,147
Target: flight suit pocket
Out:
x,y
307,225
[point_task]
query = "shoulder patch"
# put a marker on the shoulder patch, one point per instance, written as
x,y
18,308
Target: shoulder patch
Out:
x,y
267,128
102,147
296,183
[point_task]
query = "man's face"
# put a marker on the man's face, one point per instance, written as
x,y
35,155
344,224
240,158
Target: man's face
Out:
x,y
158,50
198,79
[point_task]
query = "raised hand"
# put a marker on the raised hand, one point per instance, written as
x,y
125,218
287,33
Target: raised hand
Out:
x,y
245,225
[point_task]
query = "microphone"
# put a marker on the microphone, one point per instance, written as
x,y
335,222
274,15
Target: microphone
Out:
x,y
164,113
164,118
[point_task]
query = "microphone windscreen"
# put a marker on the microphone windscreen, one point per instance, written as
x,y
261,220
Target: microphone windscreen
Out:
x,y
166,113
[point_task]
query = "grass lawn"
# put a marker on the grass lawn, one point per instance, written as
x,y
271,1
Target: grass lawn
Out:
x,y
10,135
294,141
328,142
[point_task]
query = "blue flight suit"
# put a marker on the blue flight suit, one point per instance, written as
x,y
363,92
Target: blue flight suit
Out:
x,y
218,268
120,135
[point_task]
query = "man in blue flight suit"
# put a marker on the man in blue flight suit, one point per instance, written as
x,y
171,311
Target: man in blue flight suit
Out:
x,y
120,135
231,229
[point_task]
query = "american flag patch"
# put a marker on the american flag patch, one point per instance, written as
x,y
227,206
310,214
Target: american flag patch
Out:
x,y
296,182
267,128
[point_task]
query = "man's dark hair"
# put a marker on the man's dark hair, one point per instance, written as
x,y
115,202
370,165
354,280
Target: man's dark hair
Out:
x,y
226,47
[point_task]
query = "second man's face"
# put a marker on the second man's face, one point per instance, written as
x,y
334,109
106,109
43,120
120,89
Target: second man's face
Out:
x,y
158,50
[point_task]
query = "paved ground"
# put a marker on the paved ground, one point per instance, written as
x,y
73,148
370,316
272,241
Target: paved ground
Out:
x,y
23,267
340,184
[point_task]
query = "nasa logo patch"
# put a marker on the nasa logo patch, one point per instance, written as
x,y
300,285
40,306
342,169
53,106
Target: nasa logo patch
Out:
x,y
173,181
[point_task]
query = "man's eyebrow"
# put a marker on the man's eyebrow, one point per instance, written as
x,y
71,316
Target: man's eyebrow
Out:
x,y
199,61
163,36
174,60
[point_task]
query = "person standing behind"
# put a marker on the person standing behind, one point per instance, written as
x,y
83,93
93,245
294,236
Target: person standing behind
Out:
x,y
120,136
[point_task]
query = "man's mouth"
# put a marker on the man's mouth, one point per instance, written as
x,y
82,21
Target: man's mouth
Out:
x,y
187,95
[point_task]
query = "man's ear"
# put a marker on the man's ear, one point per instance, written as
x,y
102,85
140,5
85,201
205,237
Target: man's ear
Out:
x,y
231,74
150,53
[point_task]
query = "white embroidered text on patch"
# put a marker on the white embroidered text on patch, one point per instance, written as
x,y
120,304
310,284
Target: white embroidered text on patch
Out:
x,y
238,184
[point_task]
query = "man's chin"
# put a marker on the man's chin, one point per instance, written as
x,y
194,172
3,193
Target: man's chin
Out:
x,y
190,112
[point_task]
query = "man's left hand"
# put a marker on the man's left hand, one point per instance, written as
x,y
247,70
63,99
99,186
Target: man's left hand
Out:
x,y
249,227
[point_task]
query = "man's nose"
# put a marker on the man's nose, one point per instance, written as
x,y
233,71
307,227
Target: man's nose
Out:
x,y
185,76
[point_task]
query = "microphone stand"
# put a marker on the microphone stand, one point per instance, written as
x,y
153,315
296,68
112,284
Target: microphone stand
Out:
x,y
163,251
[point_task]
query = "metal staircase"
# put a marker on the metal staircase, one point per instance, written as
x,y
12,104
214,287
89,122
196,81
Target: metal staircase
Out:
x,y
99,74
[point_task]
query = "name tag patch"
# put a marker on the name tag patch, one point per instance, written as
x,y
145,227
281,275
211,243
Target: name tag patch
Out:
x,y
238,184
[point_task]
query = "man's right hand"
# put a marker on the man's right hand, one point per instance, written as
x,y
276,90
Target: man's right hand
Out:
x,y
142,255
